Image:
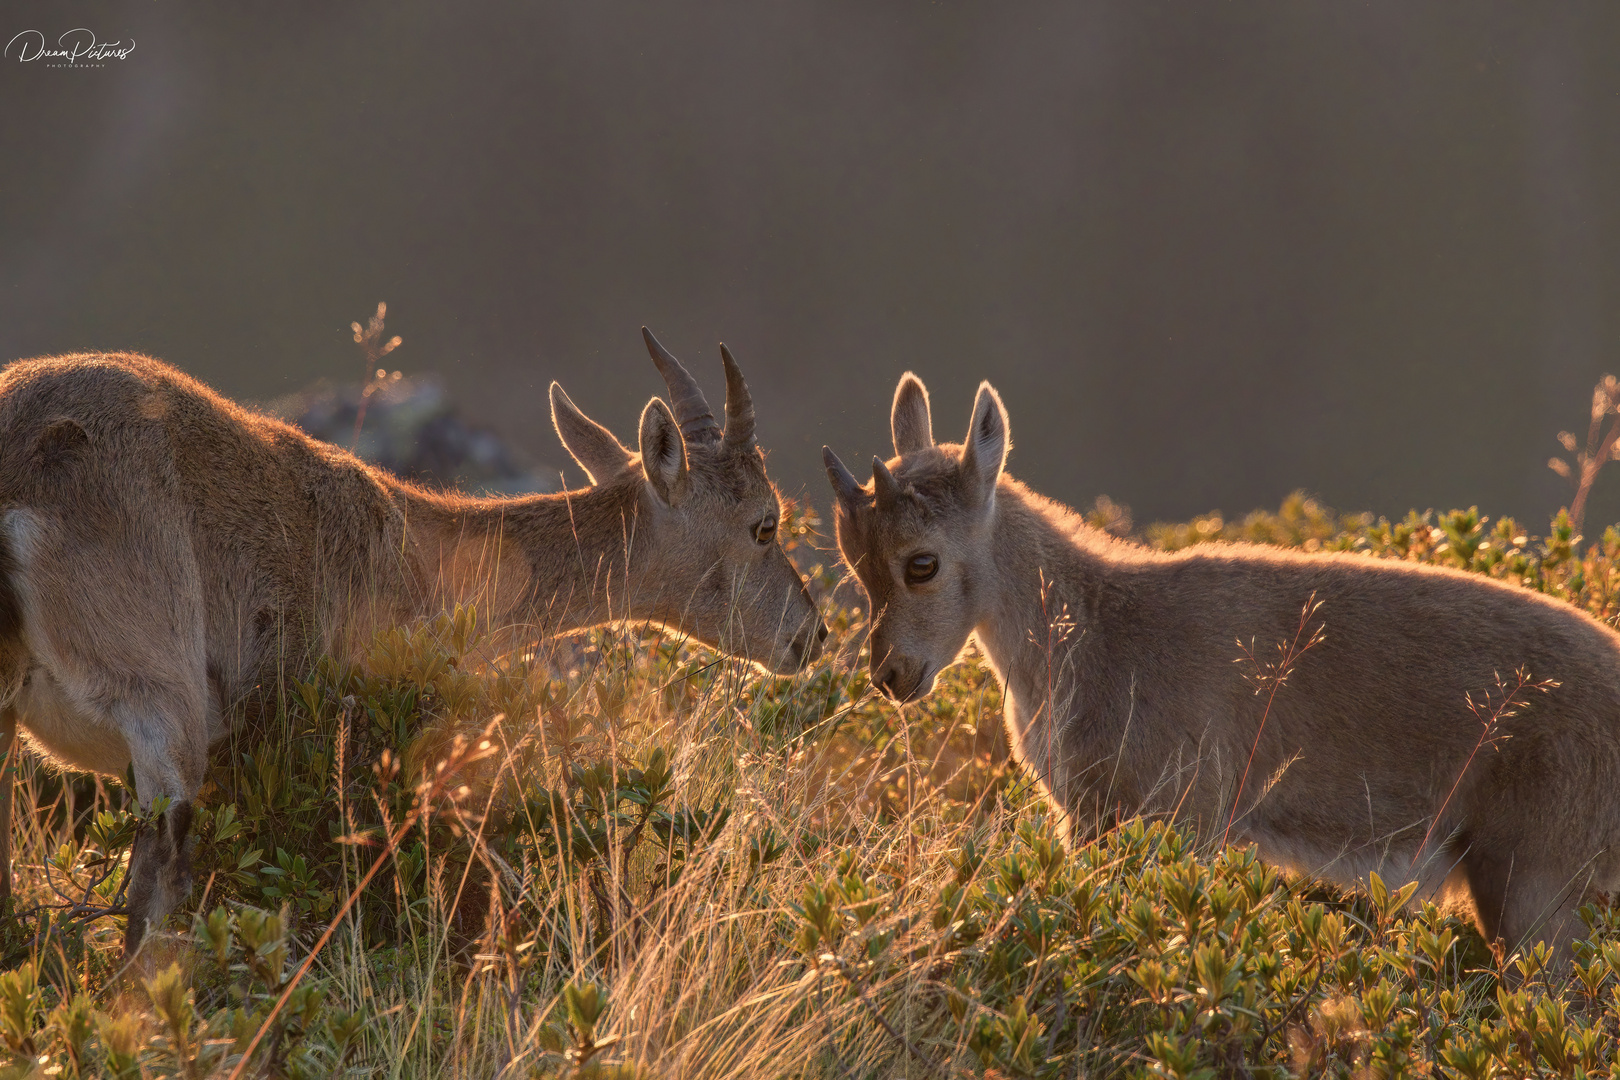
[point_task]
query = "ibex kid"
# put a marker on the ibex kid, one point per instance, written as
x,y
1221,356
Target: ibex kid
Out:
x,y
162,550
1122,693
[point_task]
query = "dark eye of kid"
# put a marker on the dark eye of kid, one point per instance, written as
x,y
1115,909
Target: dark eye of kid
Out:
x,y
921,567
765,531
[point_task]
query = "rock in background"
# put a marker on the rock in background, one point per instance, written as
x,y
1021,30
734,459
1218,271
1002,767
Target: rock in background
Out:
x,y
411,428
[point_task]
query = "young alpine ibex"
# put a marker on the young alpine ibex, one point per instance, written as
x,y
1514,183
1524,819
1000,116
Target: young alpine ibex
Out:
x,y
1122,694
163,550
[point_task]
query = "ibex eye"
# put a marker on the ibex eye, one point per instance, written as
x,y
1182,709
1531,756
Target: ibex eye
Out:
x,y
765,531
921,568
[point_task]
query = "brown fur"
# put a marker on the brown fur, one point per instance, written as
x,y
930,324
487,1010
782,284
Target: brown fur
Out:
x,y
163,551
1122,693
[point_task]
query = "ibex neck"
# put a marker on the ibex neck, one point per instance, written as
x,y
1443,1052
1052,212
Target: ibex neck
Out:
x,y
555,562
1048,575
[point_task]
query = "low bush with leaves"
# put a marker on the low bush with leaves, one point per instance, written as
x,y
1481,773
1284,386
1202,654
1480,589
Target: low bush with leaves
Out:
x,y
641,860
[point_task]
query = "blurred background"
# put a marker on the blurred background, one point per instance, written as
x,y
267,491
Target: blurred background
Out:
x,y
1208,253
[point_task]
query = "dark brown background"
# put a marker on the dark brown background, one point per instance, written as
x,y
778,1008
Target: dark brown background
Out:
x,y
1208,253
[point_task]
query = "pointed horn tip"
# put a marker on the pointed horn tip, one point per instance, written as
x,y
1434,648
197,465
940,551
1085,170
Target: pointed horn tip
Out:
x,y
734,375
686,397
739,402
843,480
656,349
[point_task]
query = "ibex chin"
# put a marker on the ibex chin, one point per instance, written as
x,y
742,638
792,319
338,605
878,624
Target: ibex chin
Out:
x,y
1122,694
163,550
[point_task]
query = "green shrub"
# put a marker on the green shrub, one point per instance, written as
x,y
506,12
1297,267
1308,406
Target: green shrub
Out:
x,y
641,860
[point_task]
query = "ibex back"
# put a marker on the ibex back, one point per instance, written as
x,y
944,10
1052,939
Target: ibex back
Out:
x,y
163,550
1122,694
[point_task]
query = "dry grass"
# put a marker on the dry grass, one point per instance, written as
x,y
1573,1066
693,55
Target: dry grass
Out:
x,y
668,866
697,957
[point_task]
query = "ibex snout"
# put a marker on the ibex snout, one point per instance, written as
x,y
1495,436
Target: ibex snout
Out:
x,y
799,651
809,646
901,678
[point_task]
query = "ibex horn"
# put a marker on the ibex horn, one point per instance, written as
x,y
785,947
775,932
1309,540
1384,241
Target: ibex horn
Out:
x,y
739,405
685,398
843,481
884,483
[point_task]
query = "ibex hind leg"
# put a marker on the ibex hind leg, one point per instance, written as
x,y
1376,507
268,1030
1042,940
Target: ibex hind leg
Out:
x,y
169,760
156,731
160,873
13,674
8,754
118,676
156,727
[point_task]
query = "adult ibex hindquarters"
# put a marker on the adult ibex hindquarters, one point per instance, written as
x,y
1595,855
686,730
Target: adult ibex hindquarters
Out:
x,y
1122,693
163,550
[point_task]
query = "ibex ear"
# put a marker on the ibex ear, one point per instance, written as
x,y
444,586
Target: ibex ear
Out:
x,y
663,452
909,420
592,445
984,451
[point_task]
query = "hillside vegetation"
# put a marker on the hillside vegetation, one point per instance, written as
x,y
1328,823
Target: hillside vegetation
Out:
x,y
622,856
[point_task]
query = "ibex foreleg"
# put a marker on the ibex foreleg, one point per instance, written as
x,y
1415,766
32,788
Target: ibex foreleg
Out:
x,y
1519,901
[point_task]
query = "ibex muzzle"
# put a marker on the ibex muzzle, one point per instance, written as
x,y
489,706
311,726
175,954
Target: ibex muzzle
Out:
x,y
1122,694
163,550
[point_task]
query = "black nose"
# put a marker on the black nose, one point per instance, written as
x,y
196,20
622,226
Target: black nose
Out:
x,y
886,682
805,649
